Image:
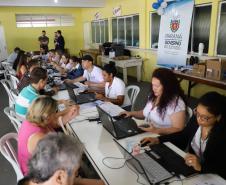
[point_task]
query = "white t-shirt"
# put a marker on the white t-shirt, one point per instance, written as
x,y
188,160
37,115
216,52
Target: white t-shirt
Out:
x,y
153,115
117,88
197,144
94,76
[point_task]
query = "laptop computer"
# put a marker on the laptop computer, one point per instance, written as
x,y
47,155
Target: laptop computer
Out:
x,y
81,98
64,85
157,164
120,128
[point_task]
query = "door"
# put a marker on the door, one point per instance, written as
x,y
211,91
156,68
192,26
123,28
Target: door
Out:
x,y
3,48
87,35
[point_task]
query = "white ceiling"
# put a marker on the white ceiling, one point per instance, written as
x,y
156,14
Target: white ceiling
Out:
x,y
51,3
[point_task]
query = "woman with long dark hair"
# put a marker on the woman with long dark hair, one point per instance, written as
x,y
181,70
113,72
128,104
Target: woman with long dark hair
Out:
x,y
165,112
204,136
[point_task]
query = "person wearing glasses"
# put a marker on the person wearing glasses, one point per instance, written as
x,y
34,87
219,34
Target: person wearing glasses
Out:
x,y
165,111
204,136
114,87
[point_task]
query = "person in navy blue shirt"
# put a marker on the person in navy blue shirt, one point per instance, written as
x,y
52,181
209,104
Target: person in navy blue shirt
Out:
x,y
76,70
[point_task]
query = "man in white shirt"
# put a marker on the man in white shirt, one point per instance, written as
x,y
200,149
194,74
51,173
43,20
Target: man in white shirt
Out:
x,y
12,57
92,74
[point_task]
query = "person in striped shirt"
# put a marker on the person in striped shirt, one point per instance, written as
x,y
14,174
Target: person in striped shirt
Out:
x,y
38,80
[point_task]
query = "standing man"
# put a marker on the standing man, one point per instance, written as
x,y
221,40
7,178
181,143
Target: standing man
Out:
x,y
44,41
60,41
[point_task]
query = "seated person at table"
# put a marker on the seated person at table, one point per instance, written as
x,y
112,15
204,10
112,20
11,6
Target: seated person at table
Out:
x,y
51,55
22,66
56,161
114,87
25,80
165,112
38,81
40,120
92,74
57,57
76,69
204,136
64,66
12,57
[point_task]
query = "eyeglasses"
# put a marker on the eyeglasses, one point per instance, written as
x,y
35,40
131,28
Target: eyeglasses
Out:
x,y
202,117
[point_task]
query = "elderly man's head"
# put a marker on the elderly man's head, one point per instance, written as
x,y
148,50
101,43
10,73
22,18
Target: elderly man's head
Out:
x,y
56,160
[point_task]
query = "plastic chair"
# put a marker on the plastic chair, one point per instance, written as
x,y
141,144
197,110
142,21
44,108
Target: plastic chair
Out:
x,y
9,111
14,80
131,92
6,85
9,153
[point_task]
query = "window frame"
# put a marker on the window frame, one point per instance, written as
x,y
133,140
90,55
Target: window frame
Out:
x,y
218,27
99,24
45,21
132,29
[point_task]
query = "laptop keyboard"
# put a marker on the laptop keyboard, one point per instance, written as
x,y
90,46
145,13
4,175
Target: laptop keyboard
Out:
x,y
171,160
154,171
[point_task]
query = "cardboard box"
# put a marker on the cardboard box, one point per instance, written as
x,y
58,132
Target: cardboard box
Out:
x,y
199,69
216,69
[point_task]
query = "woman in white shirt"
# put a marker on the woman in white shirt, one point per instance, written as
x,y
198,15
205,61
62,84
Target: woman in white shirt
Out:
x,y
165,112
114,87
64,65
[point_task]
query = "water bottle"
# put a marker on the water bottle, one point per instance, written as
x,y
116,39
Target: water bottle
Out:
x,y
201,48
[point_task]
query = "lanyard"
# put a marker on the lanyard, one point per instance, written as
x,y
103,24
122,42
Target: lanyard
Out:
x,y
201,143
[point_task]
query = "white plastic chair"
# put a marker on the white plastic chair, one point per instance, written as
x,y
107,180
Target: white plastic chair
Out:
x,y
9,153
9,111
14,80
131,92
7,87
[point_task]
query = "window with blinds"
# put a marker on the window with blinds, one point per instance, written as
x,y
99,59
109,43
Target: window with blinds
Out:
x,y
39,20
99,31
221,40
200,28
125,30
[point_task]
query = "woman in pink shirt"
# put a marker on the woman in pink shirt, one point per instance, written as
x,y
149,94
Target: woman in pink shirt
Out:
x,y
40,120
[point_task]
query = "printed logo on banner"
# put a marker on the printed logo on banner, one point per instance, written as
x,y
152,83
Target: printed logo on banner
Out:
x,y
174,25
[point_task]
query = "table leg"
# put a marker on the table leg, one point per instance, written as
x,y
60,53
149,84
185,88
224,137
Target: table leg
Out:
x,y
138,73
125,75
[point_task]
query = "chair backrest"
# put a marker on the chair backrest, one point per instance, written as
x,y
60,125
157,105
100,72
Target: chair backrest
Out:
x,y
132,91
7,87
14,81
9,153
10,112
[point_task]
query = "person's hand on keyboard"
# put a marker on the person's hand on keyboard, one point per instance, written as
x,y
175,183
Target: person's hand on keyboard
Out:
x,y
99,96
151,128
125,114
68,81
147,141
193,160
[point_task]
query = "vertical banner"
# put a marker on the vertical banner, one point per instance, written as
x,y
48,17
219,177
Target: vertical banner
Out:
x,y
174,33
